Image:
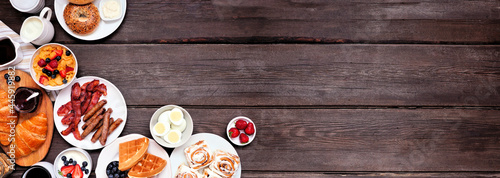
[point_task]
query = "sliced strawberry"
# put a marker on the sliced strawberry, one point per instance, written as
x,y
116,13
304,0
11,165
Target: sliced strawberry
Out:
x,y
77,172
53,64
65,170
69,69
49,68
53,55
44,80
62,73
58,52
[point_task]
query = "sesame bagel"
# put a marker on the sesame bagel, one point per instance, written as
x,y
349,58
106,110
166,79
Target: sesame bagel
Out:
x,y
81,19
80,2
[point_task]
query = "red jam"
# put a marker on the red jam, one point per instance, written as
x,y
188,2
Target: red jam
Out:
x,y
23,106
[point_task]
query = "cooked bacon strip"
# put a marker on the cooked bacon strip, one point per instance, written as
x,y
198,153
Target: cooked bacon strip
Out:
x,y
76,132
92,85
64,109
95,98
68,130
66,120
76,91
77,108
102,88
86,103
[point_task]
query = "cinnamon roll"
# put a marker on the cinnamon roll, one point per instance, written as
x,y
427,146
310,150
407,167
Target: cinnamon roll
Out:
x,y
198,155
184,172
224,163
207,173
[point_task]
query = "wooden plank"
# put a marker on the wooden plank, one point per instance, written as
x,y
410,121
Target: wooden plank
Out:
x,y
298,75
345,140
320,21
367,174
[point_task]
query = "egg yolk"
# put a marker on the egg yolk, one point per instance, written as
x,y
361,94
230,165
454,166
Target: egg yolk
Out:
x,y
160,128
173,137
176,115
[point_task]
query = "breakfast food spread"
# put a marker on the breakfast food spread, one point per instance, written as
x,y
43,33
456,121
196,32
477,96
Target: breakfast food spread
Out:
x,y
225,163
185,171
132,152
170,126
198,155
111,9
82,19
69,164
149,166
80,2
54,66
7,118
30,135
218,164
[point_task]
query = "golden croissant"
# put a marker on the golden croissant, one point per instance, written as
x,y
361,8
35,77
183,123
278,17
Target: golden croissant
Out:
x,y
30,135
8,118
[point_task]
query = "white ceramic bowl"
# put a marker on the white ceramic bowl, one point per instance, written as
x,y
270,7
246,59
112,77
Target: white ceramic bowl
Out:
x,y
236,140
101,11
48,87
58,161
185,135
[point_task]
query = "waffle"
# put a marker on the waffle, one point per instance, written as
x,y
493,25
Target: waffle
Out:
x,y
149,166
224,163
198,155
132,152
184,171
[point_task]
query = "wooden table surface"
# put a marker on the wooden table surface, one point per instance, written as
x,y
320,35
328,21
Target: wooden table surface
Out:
x,y
335,87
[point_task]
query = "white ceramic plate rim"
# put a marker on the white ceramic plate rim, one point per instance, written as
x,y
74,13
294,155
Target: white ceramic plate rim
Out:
x,y
236,140
214,142
104,29
110,153
115,100
185,135
33,74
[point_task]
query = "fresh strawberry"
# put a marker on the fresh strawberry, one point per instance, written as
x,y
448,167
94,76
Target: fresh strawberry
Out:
x,y
53,64
49,68
42,63
65,170
243,138
53,55
234,132
250,129
77,173
241,124
44,80
69,69
62,73
58,52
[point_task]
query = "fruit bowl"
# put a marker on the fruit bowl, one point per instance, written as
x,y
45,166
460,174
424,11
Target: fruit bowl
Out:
x,y
34,74
236,140
71,155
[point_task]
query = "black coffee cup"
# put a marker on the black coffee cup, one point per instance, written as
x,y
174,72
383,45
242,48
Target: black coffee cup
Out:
x,y
36,172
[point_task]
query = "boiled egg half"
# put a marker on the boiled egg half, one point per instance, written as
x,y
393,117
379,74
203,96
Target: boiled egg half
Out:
x,y
176,116
180,127
161,129
173,136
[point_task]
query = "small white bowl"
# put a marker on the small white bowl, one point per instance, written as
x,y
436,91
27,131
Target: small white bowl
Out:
x,y
33,73
58,162
236,140
101,11
185,135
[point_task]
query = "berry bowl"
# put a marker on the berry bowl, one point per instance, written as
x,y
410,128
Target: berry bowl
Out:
x,y
74,161
58,61
248,131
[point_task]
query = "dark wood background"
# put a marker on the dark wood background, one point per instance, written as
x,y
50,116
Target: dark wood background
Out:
x,y
336,88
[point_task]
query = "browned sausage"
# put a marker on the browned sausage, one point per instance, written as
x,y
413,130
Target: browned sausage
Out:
x,y
100,112
97,134
114,126
96,108
91,126
105,126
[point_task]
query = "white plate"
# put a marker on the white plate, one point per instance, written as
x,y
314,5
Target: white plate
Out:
x,y
115,101
214,142
104,29
110,153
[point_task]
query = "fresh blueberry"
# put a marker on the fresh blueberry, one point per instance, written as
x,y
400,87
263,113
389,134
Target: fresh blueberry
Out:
x,y
66,163
74,163
122,175
108,172
44,70
53,76
47,60
56,71
114,170
63,158
117,175
68,175
110,176
49,73
68,53
58,58
115,163
86,171
65,81
110,166
70,160
84,164
6,76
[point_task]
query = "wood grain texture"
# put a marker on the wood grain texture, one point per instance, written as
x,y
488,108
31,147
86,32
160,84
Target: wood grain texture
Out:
x,y
296,21
298,75
333,140
44,106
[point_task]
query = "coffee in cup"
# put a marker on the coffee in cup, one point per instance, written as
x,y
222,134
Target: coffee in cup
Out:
x,y
37,172
10,52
